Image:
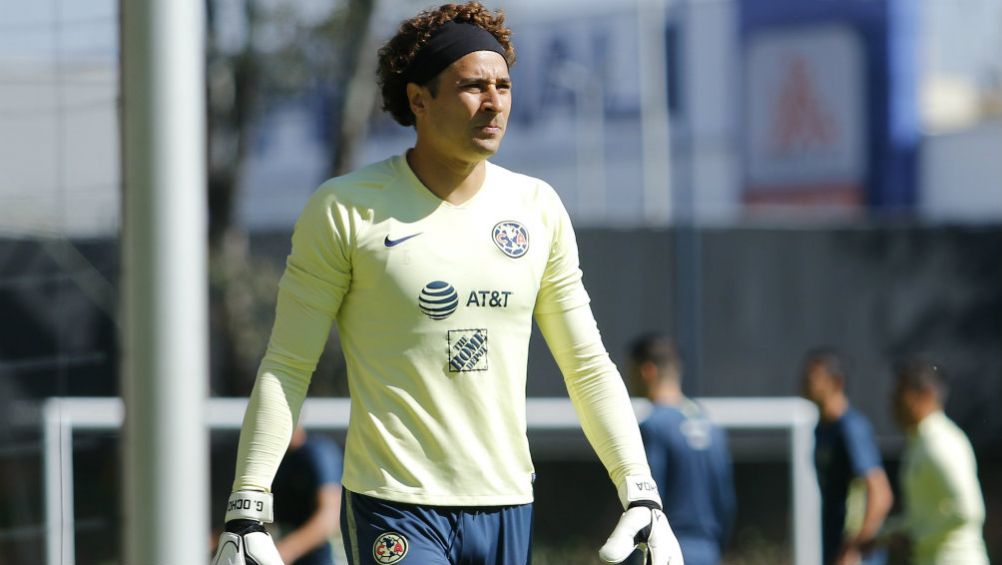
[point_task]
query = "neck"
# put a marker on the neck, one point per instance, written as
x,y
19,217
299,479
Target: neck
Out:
x,y
451,179
834,408
924,411
671,395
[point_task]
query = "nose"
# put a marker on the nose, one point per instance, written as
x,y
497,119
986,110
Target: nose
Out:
x,y
492,99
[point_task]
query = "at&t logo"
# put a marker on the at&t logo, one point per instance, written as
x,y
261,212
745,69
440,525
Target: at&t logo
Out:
x,y
438,300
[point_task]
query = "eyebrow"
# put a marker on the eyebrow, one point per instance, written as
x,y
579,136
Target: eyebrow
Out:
x,y
503,80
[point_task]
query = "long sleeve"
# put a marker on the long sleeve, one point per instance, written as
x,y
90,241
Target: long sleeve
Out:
x,y
944,508
316,278
943,484
596,390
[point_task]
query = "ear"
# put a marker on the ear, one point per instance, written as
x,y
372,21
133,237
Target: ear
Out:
x,y
648,373
417,97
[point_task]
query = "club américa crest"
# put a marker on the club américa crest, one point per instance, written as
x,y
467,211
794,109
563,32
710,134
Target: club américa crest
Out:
x,y
511,238
390,547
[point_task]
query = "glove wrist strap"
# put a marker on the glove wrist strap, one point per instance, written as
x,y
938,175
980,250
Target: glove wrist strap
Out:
x,y
637,488
249,505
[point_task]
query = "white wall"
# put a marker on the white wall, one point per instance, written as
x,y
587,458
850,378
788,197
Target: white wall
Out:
x,y
59,150
961,175
707,139
59,154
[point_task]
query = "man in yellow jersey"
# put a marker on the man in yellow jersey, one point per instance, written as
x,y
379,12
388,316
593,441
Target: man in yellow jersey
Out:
x,y
434,264
944,510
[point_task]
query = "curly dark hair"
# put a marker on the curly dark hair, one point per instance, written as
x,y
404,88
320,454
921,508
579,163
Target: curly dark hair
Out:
x,y
397,55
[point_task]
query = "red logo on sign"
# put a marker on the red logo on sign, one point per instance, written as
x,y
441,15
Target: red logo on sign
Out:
x,y
801,122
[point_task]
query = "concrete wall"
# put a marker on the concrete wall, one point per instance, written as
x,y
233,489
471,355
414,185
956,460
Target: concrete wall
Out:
x,y
767,295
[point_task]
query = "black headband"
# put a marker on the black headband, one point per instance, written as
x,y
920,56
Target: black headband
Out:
x,y
449,43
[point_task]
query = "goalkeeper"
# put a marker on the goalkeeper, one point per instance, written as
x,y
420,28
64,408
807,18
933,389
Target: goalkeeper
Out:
x,y
434,264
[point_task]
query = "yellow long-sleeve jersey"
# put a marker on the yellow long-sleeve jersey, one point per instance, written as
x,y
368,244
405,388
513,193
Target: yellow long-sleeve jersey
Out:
x,y
434,304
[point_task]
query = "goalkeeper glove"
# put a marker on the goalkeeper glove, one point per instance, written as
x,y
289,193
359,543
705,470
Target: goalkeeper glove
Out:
x,y
643,525
245,541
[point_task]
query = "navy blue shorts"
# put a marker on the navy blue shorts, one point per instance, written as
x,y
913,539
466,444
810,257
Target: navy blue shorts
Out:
x,y
382,532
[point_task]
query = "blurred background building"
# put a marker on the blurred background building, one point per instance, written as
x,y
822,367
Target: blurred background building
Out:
x,y
755,176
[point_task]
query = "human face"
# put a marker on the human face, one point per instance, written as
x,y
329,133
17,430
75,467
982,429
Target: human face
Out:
x,y
817,385
467,117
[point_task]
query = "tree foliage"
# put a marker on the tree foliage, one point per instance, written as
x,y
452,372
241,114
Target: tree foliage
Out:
x,y
260,54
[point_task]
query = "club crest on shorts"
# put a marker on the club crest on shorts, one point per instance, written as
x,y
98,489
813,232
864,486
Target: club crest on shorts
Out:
x,y
511,238
390,547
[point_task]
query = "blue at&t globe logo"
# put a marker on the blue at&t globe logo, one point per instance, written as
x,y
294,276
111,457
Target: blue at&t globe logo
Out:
x,y
438,300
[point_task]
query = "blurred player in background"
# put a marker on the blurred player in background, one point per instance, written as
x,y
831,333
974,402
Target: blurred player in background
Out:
x,y
848,463
434,264
944,511
308,484
688,454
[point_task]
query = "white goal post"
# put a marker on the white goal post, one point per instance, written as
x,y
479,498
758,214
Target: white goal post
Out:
x,y
63,416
